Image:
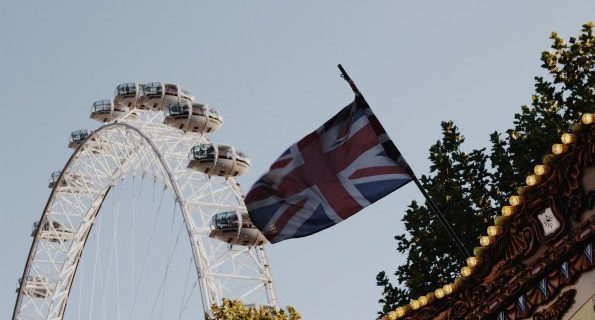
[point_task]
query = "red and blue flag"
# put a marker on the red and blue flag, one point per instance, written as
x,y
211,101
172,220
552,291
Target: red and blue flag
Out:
x,y
332,173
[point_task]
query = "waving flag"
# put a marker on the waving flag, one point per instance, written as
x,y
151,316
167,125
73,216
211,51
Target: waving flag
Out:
x,y
332,173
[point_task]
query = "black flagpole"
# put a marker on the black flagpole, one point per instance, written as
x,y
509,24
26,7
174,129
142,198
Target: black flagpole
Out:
x,y
433,207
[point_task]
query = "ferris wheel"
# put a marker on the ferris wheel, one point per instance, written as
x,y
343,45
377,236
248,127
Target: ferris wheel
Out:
x,y
158,130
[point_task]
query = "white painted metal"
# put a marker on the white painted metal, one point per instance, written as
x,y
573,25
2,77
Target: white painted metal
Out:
x,y
139,144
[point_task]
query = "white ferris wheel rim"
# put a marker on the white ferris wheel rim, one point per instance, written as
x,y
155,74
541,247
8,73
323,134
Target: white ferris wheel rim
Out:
x,y
206,266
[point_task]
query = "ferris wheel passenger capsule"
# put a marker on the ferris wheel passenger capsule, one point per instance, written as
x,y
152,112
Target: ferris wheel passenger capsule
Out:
x,y
235,228
196,117
218,160
127,94
36,287
174,94
106,110
77,138
178,115
54,178
70,183
186,96
54,232
151,96
157,95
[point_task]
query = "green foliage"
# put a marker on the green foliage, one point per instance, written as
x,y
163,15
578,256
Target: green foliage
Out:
x,y
236,310
470,187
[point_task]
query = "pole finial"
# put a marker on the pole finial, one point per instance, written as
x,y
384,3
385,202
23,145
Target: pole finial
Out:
x,y
345,76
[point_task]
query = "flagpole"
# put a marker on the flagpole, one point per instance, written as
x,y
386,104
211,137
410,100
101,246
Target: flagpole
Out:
x,y
433,207
445,224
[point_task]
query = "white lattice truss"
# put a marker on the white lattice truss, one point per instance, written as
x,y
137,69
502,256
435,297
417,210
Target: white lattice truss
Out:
x,y
139,144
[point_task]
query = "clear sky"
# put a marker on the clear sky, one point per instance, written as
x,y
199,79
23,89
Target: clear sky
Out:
x,y
270,68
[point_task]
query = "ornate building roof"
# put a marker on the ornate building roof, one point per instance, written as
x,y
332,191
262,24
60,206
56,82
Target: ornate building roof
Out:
x,y
540,245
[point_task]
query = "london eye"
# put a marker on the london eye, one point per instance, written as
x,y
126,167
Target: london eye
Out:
x,y
152,134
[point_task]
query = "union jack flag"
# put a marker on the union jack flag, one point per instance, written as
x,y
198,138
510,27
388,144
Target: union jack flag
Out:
x,y
332,173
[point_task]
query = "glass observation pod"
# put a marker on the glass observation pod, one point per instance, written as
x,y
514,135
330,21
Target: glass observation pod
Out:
x,y
77,138
235,228
218,160
127,94
157,95
67,182
196,117
55,232
36,287
106,110
54,179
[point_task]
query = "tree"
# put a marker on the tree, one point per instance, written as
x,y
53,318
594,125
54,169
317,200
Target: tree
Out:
x,y
236,310
470,187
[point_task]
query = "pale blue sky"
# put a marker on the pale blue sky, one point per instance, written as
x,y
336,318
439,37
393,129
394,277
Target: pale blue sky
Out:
x,y
270,68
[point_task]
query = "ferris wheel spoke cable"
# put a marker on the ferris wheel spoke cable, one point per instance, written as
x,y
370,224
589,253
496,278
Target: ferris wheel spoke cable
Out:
x,y
132,264
113,248
80,300
136,290
171,251
170,259
116,224
97,237
188,299
167,269
185,286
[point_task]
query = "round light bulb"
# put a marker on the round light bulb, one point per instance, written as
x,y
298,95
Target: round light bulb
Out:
x,y
559,148
478,251
392,315
414,304
473,261
520,190
568,138
439,293
516,200
486,241
400,311
457,283
422,301
541,169
533,180
466,271
431,296
447,288
587,118
500,220
508,211
494,231
575,127
547,158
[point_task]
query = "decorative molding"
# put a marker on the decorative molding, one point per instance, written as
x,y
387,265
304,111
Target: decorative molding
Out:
x,y
504,286
557,309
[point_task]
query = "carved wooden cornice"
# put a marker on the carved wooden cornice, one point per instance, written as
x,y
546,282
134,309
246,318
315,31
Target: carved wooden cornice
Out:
x,y
558,308
511,282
